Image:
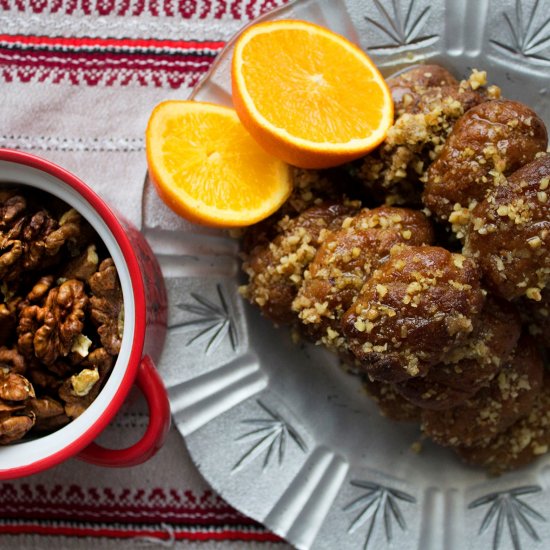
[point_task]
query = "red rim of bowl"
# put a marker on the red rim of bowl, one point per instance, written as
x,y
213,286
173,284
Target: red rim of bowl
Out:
x,y
138,292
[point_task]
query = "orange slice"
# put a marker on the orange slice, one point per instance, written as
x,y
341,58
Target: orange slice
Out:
x,y
207,167
308,95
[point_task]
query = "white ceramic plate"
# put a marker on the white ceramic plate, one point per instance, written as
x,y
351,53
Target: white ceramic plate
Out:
x,y
278,431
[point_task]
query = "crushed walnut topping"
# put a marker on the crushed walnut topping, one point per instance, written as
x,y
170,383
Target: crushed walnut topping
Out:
x,y
434,288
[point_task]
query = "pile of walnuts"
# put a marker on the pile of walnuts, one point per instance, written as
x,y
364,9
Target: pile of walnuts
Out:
x,y
61,316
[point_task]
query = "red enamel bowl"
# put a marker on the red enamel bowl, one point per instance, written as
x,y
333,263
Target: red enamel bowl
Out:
x,y
145,309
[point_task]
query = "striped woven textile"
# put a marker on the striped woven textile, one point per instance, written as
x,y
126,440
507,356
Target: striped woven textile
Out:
x,y
78,80
162,43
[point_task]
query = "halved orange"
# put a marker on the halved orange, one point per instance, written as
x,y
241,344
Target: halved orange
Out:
x,y
308,95
207,167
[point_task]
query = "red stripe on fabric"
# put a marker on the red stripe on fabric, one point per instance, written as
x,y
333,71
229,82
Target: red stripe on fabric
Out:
x,y
109,42
183,9
130,514
52,530
106,61
230,535
103,69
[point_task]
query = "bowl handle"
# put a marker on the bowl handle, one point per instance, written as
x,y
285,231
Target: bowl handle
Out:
x,y
152,387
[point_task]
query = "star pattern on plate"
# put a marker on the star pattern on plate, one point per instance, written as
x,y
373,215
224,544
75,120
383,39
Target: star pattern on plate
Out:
x,y
402,26
269,437
377,503
507,509
213,321
529,36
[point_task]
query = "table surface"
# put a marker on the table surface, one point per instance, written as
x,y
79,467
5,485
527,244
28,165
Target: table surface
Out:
x,y
79,79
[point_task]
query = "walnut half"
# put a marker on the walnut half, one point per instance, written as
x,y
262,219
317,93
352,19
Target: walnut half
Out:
x,y
107,306
15,419
56,324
